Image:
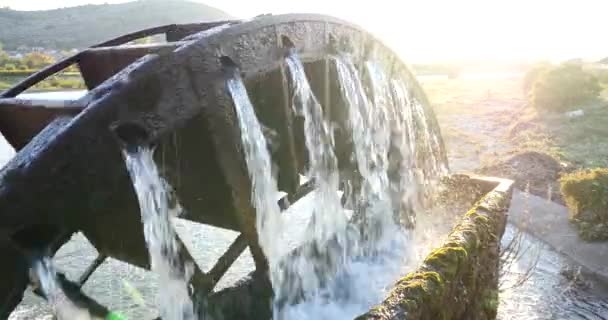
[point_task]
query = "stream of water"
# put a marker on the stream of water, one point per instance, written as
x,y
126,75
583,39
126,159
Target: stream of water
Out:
x,y
546,293
153,193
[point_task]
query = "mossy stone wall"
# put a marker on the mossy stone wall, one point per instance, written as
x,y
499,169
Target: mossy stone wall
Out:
x,y
458,280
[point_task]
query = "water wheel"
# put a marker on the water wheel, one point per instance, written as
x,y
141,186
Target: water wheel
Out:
x,y
69,175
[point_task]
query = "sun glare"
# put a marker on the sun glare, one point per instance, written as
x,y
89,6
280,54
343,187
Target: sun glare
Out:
x,y
431,31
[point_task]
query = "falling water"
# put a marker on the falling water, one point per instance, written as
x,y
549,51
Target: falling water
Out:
x,y
323,276
323,165
257,158
379,247
163,246
423,137
370,125
64,308
305,272
406,144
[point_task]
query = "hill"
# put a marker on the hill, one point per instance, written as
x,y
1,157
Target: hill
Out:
x,y
82,26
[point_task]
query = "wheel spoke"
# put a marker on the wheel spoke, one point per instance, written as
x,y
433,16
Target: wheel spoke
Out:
x,y
101,258
227,259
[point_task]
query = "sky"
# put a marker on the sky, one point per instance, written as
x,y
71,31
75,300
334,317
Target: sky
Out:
x,y
438,30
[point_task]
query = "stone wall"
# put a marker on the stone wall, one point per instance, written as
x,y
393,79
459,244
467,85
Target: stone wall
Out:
x,y
458,280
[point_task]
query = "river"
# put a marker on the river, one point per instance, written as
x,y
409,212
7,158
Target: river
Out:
x,y
545,294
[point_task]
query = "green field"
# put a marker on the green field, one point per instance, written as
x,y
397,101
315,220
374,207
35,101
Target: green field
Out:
x,y
63,81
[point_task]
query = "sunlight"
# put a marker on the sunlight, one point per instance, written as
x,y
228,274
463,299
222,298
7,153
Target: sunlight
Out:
x,y
431,31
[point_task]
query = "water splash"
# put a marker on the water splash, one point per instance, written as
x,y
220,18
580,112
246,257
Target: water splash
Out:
x,y
157,207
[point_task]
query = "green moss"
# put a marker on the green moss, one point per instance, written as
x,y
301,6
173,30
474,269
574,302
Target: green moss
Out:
x,y
479,218
381,309
466,235
586,194
482,219
416,291
427,276
489,302
472,212
447,260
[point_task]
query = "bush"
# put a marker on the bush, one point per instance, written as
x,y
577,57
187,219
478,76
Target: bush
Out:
x,y
586,194
532,75
563,88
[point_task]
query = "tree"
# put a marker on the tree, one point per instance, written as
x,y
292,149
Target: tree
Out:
x,y
563,88
37,60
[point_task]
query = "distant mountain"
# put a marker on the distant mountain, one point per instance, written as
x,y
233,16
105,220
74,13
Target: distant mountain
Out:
x,y
82,26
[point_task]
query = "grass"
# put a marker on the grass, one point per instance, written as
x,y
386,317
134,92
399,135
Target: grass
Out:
x,y
499,109
61,81
582,142
27,72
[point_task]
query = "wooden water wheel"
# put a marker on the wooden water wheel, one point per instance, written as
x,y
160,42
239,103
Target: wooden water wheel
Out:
x,y
69,175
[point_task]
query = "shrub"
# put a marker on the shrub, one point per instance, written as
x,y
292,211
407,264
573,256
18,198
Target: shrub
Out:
x,y
563,87
586,194
532,75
